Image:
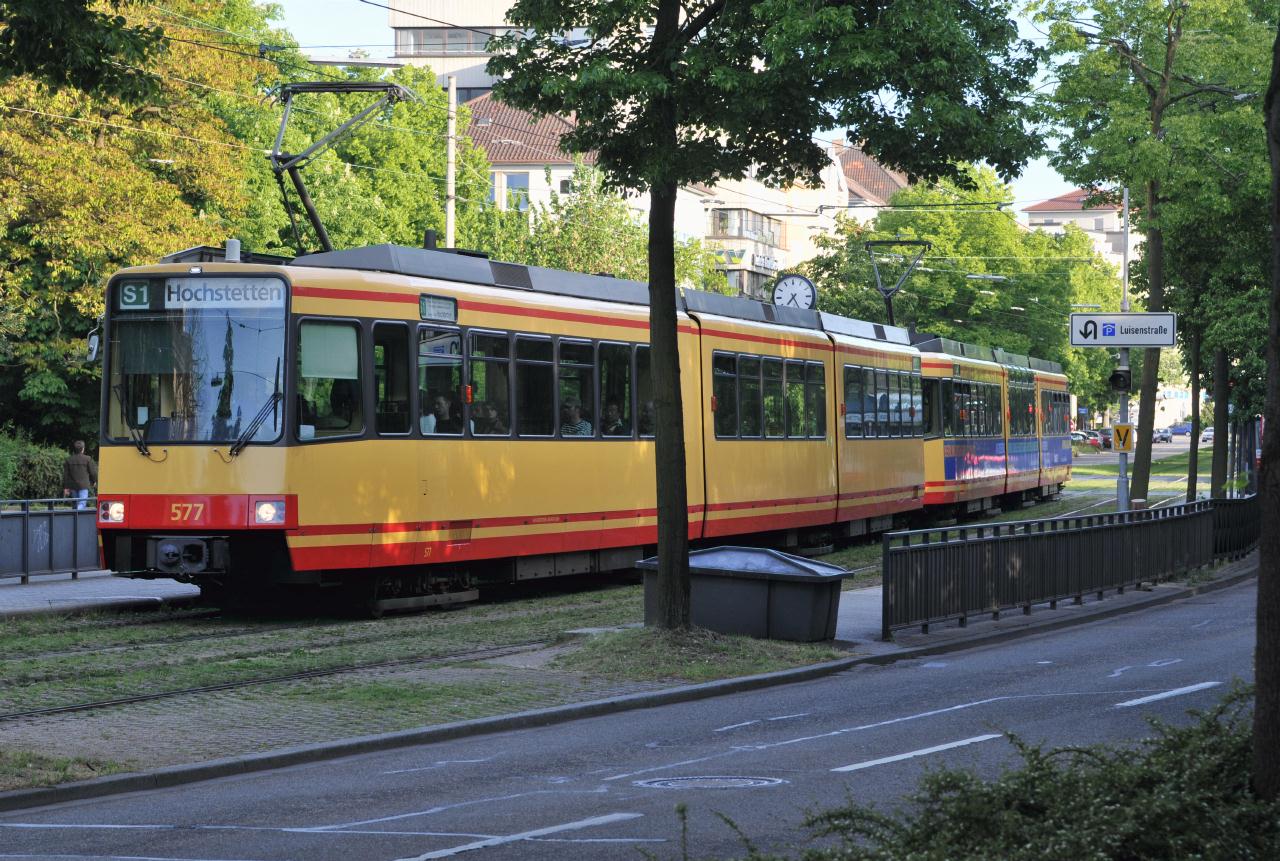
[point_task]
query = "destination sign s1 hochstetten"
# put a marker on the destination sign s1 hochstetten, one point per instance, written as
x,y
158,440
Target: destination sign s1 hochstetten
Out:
x,y
1155,329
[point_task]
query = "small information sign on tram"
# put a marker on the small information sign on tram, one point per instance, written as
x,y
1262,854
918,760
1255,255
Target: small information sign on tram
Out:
x,y
1124,330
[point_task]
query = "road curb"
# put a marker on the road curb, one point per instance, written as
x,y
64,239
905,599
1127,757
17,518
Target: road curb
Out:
x,y
240,765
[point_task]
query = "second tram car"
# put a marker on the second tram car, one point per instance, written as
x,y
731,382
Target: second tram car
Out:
x,y
413,424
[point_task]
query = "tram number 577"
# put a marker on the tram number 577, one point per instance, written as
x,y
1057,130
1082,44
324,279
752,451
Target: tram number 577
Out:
x,y
186,511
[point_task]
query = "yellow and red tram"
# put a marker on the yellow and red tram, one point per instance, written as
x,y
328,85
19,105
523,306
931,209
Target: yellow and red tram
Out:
x,y
421,422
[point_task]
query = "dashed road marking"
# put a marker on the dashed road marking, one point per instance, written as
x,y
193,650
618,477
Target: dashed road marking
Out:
x,y
858,766
607,819
1176,692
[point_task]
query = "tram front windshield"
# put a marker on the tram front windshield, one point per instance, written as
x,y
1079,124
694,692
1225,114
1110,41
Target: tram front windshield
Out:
x,y
196,359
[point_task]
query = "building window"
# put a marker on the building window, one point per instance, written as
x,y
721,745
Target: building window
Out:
x,y
747,283
435,41
745,224
510,190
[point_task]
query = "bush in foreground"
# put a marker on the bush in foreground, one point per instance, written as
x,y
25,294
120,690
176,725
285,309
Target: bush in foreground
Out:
x,y
1182,794
29,470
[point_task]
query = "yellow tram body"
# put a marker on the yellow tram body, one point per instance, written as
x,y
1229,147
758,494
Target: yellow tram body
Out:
x,y
390,415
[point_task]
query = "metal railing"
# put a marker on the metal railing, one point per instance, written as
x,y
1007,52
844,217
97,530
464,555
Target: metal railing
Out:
x,y
936,575
47,536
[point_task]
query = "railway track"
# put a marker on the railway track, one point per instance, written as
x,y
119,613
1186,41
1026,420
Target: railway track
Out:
x,y
453,658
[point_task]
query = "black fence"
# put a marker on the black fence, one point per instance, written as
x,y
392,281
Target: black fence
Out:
x,y
47,536
935,575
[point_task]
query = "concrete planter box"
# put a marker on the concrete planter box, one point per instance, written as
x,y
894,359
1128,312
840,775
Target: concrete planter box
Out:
x,y
757,592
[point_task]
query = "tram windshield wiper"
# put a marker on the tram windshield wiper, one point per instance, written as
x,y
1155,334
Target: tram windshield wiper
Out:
x,y
269,408
135,434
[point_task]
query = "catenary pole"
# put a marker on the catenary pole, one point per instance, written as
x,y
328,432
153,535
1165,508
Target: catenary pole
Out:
x,y
1122,476
450,171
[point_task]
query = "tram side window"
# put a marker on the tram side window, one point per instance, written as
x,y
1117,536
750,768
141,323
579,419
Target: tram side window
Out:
x,y
329,391
852,402
490,384
931,404
615,390
750,404
948,407
775,410
577,389
964,421
917,406
535,387
795,398
644,393
391,371
882,420
724,389
869,426
439,381
995,423
815,405
901,398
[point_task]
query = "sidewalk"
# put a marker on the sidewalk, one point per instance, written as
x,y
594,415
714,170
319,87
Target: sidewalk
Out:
x,y
58,593
268,728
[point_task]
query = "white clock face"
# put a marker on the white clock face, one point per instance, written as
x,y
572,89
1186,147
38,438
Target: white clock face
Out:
x,y
795,291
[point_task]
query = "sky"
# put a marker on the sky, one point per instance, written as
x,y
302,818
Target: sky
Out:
x,y
320,24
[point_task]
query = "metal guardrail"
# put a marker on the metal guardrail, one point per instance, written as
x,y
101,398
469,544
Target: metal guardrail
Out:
x,y
47,536
936,575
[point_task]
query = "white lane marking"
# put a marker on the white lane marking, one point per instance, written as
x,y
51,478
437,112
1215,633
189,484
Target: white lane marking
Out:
x,y
934,665
525,835
1118,672
435,765
1044,662
858,766
1201,624
735,726
1176,692
832,734
789,717
1165,662
443,807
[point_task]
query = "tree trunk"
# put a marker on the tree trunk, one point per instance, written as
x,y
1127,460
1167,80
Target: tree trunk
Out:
x,y
1221,430
673,496
1154,254
1266,663
1193,459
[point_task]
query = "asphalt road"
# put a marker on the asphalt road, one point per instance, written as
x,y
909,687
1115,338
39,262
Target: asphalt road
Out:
x,y
607,787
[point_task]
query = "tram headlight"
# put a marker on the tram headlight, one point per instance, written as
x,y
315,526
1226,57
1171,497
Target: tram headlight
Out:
x,y
269,511
110,512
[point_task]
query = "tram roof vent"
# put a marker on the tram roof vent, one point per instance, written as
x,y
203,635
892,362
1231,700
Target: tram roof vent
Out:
x,y
862,329
211,254
402,260
743,308
583,286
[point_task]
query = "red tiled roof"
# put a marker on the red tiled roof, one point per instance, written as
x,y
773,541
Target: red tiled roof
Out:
x,y
512,136
867,177
1072,201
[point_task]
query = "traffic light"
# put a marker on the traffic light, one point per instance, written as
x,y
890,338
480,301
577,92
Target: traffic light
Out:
x,y
1121,380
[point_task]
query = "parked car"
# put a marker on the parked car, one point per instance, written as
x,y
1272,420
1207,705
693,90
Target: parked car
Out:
x,y
1106,437
1094,438
1079,438
1207,436
1180,429
1163,435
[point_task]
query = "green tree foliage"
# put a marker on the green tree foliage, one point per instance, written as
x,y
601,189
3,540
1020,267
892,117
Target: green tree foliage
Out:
x,y
593,229
68,44
985,280
669,92
1146,90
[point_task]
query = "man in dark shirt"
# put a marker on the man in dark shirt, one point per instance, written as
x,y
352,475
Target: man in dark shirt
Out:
x,y
79,474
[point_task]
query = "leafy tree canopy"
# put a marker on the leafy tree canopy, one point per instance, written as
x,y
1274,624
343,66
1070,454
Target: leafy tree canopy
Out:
x,y
986,280
67,43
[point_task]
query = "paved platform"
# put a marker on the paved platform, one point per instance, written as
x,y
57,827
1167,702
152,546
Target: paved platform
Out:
x,y
58,593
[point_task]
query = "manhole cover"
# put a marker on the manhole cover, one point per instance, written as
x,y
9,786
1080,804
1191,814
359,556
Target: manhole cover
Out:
x,y
709,782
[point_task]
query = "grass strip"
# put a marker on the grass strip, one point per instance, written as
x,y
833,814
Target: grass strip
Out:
x,y
21,769
698,655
